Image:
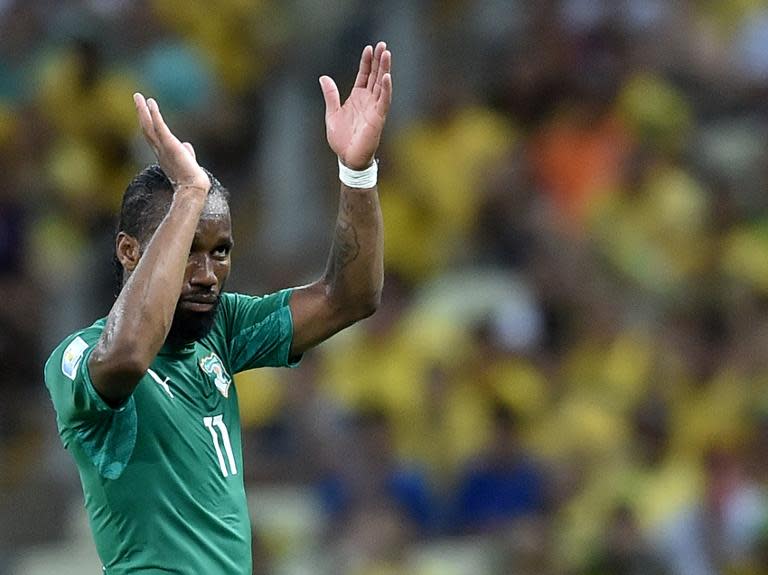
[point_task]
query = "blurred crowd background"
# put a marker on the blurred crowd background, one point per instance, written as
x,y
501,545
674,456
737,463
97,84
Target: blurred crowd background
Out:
x,y
569,371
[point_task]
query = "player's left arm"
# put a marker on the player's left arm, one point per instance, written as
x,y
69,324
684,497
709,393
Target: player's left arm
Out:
x,y
350,289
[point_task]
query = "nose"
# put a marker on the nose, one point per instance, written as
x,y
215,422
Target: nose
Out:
x,y
202,272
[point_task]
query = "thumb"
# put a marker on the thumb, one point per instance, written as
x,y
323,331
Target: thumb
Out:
x,y
331,95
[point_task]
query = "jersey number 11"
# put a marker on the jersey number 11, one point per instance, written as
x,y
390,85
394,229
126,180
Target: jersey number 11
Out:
x,y
214,423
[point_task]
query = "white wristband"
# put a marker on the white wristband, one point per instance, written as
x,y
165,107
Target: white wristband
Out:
x,y
359,178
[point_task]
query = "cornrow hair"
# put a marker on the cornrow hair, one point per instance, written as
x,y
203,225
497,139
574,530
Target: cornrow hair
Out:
x,y
145,202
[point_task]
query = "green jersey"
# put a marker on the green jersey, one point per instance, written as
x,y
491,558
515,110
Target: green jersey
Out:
x,y
162,473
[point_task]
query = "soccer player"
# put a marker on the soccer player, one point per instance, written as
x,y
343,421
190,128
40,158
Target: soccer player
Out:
x,y
144,397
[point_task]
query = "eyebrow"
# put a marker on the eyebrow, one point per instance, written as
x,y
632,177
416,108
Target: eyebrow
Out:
x,y
221,241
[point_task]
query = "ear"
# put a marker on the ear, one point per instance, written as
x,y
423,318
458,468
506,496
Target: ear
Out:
x,y
128,251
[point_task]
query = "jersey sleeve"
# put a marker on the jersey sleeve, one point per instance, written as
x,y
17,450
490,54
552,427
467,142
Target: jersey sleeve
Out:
x,y
259,330
106,434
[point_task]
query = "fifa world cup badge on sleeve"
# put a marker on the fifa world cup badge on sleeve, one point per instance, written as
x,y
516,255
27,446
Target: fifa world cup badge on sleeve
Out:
x,y
70,360
211,365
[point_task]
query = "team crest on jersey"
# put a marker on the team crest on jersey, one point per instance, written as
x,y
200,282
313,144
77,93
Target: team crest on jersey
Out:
x,y
70,360
211,364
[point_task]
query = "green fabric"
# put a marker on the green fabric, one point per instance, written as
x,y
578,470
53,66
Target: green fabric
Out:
x,y
162,474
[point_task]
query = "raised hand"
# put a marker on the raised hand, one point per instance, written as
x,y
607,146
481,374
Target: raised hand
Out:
x,y
354,128
177,159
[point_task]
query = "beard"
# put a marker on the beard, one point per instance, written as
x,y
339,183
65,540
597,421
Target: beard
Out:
x,y
189,326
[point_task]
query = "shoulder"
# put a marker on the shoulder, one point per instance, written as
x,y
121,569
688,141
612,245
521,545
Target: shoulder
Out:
x,y
66,357
254,331
238,310
277,299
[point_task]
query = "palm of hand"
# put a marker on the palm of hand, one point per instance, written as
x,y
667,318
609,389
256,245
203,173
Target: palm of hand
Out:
x,y
354,128
177,159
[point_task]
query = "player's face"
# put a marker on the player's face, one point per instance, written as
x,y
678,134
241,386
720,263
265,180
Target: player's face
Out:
x,y
207,270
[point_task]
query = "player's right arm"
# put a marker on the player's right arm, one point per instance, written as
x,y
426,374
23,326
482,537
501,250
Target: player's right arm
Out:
x,y
141,317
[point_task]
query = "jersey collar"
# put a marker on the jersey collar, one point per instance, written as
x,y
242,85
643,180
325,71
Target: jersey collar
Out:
x,y
185,349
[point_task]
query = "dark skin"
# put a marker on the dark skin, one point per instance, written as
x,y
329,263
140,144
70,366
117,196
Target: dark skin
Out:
x,y
186,262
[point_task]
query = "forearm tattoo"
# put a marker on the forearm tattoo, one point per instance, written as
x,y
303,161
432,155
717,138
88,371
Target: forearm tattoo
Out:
x,y
346,246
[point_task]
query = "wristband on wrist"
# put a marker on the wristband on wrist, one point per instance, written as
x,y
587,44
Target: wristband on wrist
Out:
x,y
359,178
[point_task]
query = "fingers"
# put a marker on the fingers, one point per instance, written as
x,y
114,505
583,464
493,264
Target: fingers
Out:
x,y
177,159
145,121
162,131
331,95
365,68
155,130
385,65
372,76
384,98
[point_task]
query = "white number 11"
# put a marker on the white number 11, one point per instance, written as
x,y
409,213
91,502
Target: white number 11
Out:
x,y
212,423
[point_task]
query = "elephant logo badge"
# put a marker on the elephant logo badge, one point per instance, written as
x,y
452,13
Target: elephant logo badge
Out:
x,y
211,364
